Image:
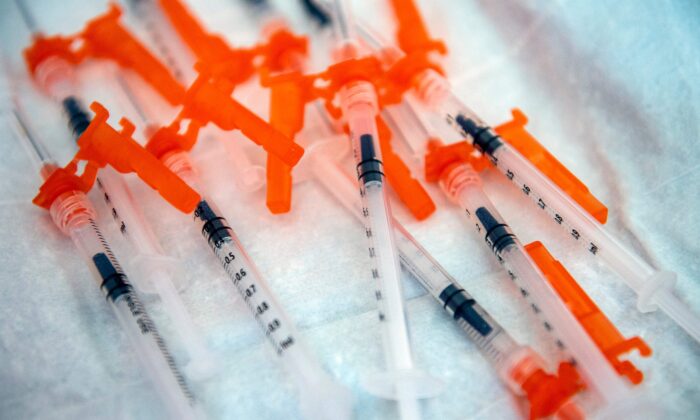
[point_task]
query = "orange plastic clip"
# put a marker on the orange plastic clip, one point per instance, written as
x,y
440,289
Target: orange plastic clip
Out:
x,y
597,325
208,100
343,72
168,139
105,37
287,103
412,34
409,189
64,180
289,93
101,145
236,65
441,159
283,50
514,132
413,38
44,47
547,394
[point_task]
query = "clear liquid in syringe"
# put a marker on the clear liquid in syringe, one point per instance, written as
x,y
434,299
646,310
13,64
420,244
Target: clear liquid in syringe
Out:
x,y
125,300
245,278
481,328
490,143
483,219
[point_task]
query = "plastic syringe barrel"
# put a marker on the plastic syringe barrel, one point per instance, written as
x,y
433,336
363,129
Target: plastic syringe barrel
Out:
x,y
343,25
116,193
654,288
164,37
358,100
321,397
414,259
464,185
155,277
156,270
520,368
74,215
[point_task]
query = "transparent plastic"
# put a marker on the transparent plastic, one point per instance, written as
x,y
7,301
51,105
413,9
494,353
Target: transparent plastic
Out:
x,y
165,39
654,288
149,346
74,215
343,23
416,261
156,271
463,185
405,119
320,396
56,78
514,363
248,176
401,381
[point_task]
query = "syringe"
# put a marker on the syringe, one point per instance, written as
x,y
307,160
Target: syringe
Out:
x,y
320,396
521,369
74,215
358,100
164,38
654,287
460,181
155,267
55,77
180,60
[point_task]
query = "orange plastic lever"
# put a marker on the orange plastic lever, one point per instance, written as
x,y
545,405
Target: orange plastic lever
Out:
x,y
597,325
102,145
208,101
168,139
206,47
409,189
287,103
413,38
515,133
439,158
44,47
284,55
235,64
64,180
546,393
412,34
105,37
